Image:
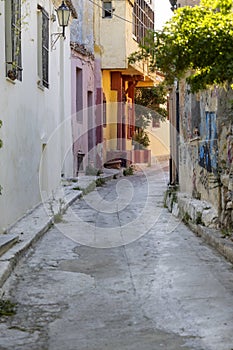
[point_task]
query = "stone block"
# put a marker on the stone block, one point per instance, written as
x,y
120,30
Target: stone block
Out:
x,y
229,206
210,217
225,180
175,210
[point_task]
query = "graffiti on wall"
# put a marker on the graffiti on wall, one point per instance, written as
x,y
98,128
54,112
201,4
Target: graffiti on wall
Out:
x,y
203,179
208,147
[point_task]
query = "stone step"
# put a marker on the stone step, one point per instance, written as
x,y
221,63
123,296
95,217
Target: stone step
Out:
x,y
7,241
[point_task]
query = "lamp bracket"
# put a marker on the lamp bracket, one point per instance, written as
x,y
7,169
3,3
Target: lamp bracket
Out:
x,y
54,39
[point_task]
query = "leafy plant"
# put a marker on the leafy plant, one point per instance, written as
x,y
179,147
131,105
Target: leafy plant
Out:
x,y
141,139
56,209
148,103
7,307
100,182
186,217
91,170
193,44
77,188
91,187
128,171
199,219
226,233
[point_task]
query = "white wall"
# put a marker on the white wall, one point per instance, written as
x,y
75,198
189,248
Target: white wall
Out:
x,y
30,115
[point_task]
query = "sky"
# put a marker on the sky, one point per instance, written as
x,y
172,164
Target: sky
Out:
x,y
162,12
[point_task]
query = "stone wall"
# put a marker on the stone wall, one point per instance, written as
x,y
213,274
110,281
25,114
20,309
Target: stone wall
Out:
x,y
206,148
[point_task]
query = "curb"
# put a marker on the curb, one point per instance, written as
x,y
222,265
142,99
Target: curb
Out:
x,y
32,226
214,239
186,208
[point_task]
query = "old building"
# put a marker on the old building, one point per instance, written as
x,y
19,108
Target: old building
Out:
x,y
35,91
119,27
83,86
201,152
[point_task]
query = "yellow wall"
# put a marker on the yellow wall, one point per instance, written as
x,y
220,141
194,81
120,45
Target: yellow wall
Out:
x,y
114,38
159,141
110,36
110,131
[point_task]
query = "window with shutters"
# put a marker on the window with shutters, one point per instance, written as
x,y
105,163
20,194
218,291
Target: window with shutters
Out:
x,y
13,24
107,9
43,47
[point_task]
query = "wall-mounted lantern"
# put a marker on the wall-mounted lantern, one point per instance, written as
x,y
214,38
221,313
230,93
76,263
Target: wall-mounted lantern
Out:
x,y
174,4
63,16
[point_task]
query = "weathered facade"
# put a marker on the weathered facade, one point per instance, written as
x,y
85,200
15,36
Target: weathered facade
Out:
x,y
201,150
83,96
127,21
205,149
34,89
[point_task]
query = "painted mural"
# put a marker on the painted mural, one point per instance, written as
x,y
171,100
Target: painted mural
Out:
x,y
208,147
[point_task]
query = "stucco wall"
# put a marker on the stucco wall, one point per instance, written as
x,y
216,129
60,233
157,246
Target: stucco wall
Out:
x,y
81,128
110,131
30,115
82,27
159,141
113,36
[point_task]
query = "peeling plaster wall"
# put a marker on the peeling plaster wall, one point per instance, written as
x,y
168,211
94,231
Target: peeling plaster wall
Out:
x,y
84,66
82,28
198,149
206,148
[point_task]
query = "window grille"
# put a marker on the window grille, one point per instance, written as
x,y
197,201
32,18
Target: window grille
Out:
x,y
143,19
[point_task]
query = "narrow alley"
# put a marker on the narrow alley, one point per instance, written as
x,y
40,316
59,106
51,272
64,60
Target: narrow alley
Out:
x,y
120,272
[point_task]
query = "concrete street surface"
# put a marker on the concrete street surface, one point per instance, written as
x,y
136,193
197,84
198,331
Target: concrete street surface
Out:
x,y
119,272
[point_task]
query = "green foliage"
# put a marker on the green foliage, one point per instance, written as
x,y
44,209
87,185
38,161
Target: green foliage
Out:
x,y
148,103
141,139
195,43
76,188
199,219
99,182
91,170
91,187
128,171
226,233
7,307
186,217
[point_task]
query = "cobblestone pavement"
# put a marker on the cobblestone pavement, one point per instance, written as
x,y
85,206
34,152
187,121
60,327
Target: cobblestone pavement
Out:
x,y
120,273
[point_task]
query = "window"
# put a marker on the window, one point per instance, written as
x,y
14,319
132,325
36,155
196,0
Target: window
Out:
x,y
79,95
43,47
13,39
155,123
107,9
143,19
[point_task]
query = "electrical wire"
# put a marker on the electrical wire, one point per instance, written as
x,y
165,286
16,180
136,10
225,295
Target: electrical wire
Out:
x,y
113,14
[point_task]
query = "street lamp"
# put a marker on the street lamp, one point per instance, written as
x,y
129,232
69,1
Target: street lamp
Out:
x,y
174,4
63,16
